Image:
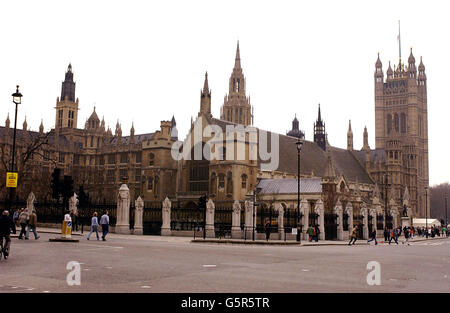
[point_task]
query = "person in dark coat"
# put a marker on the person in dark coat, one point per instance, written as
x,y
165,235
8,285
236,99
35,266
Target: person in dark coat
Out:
x,y
373,236
6,225
267,229
317,231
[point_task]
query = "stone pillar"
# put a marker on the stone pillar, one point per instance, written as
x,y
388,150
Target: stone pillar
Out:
x,y
30,203
236,232
210,233
340,221
249,219
319,209
349,212
138,211
166,211
304,209
394,213
280,210
123,210
73,202
364,213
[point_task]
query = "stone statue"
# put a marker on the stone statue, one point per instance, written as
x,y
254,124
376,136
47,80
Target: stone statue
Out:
x,y
73,203
405,211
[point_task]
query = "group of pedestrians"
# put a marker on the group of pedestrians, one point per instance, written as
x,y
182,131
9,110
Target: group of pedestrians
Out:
x,y
313,233
104,222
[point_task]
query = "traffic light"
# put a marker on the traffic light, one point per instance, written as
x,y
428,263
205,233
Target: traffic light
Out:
x,y
55,183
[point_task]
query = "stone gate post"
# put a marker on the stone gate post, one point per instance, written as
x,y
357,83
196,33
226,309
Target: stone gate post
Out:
x,y
319,209
304,209
210,208
166,211
280,210
340,221
365,215
138,211
123,210
236,221
349,212
249,219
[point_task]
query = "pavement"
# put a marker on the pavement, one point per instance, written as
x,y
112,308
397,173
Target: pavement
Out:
x,y
141,264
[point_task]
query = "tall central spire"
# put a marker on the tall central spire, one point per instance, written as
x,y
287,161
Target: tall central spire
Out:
x,y
237,61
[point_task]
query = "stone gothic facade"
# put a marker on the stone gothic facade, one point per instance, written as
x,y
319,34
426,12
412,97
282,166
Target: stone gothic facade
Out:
x,y
100,161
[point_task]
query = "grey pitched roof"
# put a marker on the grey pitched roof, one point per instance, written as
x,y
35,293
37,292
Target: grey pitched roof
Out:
x,y
137,138
376,155
289,186
312,157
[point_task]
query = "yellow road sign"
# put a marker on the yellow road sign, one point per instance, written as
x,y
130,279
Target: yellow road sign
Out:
x,y
11,180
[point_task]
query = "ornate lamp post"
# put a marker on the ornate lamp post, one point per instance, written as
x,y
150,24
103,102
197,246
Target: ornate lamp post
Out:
x,y
299,144
17,99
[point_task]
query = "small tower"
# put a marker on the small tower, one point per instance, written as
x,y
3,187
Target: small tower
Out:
x,y
205,99
236,107
411,66
295,131
319,132
132,133
349,136
25,124
41,127
7,122
390,72
422,78
365,139
378,71
67,105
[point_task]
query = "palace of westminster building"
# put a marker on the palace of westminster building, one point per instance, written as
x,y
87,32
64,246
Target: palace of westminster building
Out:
x,y
99,159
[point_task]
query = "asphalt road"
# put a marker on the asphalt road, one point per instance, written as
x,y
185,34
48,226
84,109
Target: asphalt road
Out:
x,y
168,264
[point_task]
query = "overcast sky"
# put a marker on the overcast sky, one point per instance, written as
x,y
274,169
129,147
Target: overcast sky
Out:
x,y
143,61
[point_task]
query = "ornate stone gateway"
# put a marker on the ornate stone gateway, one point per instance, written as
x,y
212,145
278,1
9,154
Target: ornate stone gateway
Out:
x,y
331,226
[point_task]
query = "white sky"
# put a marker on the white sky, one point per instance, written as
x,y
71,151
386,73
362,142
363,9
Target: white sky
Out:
x,y
143,61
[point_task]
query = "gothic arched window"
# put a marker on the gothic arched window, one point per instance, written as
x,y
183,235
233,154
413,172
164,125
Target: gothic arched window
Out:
x,y
229,182
221,180
213,184
151,158
389,123
396,122
150,183
244,181
403,122
156,189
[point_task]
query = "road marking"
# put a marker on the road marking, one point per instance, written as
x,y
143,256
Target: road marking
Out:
x,y
108,267
14,287
46,291
146,287
305,270
209,265
86,269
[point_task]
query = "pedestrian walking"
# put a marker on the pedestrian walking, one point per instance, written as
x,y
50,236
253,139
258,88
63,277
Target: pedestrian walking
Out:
x,y
373,236
104,221
267,229
14,219
386,234
6,223
393,236
310,232
94,226
32,226
316,233
407,233
23,222
353,235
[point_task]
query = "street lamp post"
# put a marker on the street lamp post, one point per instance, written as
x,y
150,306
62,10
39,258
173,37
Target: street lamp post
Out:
x,y
257,190
426,212
299,144
17,99
385,198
